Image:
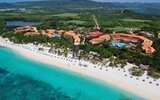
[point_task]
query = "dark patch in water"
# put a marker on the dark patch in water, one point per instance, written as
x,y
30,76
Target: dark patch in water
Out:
x,y
3,71
18,87
124,97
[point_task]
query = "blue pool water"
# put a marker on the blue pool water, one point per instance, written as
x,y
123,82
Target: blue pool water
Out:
x,y
55,35
116,44
23,78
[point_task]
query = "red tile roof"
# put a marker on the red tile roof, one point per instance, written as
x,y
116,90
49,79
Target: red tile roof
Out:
x,y
146,44
100,39
95,34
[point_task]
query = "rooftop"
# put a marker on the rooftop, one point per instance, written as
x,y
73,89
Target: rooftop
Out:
x,y
95,34
146,44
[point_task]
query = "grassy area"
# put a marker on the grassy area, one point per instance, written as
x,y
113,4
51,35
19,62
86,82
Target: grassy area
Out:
x,y
117,29
67,15
134,20
76,21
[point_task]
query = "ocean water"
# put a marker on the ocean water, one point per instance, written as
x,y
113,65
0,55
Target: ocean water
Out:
x,y
24,79
18,87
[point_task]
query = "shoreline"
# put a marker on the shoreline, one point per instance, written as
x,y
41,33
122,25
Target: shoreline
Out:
x,y
107,75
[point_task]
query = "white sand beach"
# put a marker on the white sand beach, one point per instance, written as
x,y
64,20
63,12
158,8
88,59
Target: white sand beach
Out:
x,y
115,76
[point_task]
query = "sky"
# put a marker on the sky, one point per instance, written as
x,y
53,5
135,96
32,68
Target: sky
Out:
x,y
148,1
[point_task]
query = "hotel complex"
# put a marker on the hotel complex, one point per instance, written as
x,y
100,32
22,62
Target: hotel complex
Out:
x,y
95,37
146,43
31,31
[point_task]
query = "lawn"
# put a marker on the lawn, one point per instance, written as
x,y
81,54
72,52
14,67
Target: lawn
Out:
x,y
76,21
134,20
67,15
127,29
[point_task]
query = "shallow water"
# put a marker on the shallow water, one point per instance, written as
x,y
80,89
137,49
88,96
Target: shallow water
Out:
x,y
18,87
41,79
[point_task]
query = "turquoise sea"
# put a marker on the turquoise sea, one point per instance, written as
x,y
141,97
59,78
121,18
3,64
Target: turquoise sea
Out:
x,y
24,79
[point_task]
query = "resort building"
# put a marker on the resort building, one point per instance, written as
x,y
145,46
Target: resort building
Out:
x,y
100,39
60,31
26,29
146,43
94,34
97,36
32,33
50,31
75,36
43,32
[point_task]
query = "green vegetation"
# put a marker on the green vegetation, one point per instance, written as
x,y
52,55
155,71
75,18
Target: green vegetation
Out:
x,y
136,71
67,15
77,15
135,20
123,29
154,74
2,24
